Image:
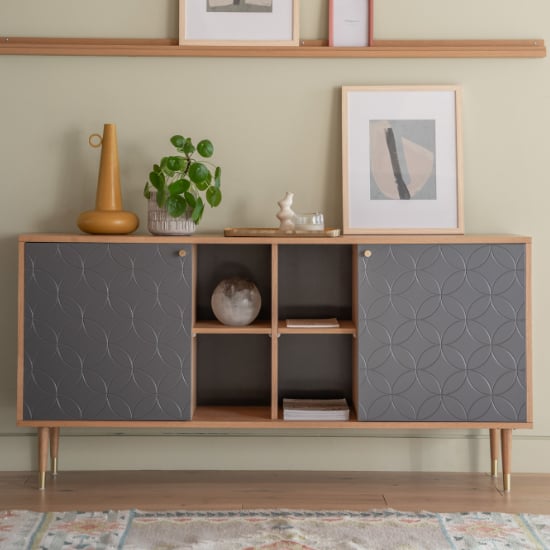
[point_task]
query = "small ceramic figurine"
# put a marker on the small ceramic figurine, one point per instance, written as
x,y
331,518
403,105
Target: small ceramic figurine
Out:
x,y
286,214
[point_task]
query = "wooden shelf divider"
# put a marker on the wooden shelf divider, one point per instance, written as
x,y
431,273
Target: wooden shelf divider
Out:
x,y
530,48
215,327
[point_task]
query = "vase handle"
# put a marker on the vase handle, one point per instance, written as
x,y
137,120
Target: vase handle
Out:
x,y
95,140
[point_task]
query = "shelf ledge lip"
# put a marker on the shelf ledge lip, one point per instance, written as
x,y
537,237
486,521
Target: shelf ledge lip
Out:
x,y
522,48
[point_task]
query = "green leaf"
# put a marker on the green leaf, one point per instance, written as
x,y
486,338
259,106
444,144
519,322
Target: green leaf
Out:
x,y
147,191
177,141
165,167
188,147
198,211
190,199
175,164
198,172
204,185
213,196
205,148
171,164
157,180
176,205
179,186
182,163
218,177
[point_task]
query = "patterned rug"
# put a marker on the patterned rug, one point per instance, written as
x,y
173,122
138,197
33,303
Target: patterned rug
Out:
x,y
271,530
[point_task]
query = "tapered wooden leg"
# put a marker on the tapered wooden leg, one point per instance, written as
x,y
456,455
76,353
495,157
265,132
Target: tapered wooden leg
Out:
x,y
43,440
493,436
54,449
506,443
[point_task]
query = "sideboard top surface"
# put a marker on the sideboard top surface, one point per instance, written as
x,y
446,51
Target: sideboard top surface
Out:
x,y
217,238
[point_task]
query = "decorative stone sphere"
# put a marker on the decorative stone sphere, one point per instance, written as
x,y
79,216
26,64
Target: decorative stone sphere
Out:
x,y
236,301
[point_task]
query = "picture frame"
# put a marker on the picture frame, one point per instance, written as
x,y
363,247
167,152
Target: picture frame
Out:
x,y
402,159
351,23
239,22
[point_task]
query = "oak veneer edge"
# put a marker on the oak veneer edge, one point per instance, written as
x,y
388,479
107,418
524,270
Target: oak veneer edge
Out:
x,y
352,239
265,423
20,328
274,331
532,48
194,277
529,330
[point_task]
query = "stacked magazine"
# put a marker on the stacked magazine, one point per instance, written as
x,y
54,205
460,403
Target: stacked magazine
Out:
x,y
330,322
315,409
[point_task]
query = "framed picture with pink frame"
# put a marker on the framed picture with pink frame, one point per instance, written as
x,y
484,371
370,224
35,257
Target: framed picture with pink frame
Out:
x,y
351,23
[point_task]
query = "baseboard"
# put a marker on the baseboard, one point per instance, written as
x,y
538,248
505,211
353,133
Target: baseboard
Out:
x,y
418,451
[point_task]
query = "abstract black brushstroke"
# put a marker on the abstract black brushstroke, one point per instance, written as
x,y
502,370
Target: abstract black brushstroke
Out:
x,y
392,148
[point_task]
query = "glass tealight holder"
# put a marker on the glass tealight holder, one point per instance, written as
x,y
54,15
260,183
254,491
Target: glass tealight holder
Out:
x,y
309,222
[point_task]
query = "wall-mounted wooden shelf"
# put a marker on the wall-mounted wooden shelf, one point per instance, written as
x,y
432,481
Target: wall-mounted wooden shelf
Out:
x,y
309,48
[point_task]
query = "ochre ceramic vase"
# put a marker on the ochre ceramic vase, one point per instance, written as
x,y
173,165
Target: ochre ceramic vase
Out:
x,y
108,218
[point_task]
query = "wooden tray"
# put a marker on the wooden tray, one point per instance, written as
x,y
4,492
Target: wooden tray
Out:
x,y
275,232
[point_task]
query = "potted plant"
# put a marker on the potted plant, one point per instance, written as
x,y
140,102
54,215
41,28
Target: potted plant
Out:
x,y
179,186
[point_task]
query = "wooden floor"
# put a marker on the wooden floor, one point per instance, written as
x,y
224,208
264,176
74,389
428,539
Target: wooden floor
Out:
x,y
222,490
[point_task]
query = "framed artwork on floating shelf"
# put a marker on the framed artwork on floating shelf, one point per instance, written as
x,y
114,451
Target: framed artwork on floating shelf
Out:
x,y
402,159
239,22
350,23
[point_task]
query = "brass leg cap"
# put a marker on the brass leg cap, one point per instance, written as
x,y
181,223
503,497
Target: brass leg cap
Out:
x,y
507,482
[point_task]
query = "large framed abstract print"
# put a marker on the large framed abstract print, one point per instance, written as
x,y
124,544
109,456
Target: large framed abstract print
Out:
x,y
402,159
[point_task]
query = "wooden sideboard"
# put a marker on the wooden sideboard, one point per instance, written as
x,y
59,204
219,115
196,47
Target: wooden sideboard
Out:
x,y
117,331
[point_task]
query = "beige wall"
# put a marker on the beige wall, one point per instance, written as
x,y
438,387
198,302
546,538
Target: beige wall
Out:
x,y
276,126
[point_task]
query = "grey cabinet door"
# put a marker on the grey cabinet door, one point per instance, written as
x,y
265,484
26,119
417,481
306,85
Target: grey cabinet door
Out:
x,y
442,333
107,331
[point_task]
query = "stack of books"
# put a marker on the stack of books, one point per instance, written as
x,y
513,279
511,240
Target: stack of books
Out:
x,y
315,409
